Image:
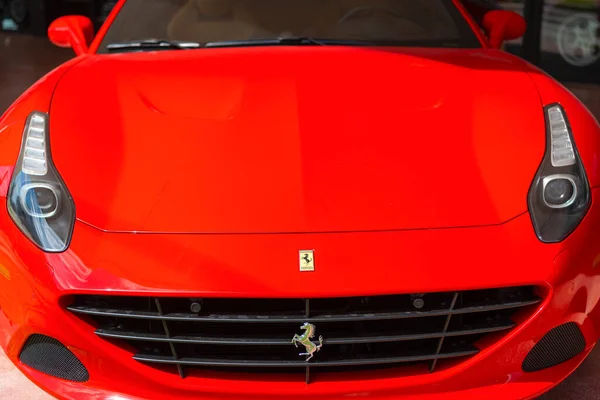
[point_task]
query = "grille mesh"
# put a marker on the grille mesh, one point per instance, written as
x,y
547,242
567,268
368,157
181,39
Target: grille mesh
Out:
x,y
557,346
51,357
255,335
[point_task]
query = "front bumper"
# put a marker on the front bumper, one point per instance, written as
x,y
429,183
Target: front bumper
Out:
x,y
33,286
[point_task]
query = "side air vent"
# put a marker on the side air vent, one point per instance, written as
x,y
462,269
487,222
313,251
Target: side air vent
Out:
x,y
557,346
51,357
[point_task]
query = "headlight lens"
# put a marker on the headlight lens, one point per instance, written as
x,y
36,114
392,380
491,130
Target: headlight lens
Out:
x,y
560,195
38,200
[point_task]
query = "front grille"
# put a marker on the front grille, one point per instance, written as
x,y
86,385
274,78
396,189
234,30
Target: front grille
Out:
x,y
255,335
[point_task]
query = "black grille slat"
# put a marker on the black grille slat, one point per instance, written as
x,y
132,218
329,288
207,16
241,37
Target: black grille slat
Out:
x,y
495,307
307,315
190,339
446,325
254,335
292,364
281,342
299,318
168,335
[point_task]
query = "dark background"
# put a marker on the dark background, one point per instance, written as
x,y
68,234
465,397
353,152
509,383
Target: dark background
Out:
x,y
549,22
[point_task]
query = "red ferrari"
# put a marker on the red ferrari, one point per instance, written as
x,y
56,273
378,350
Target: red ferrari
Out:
x,y
307,199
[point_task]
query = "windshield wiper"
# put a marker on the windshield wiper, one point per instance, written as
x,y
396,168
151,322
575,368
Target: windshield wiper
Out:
x,y
299,40
152,44
281,41
305,40
161,44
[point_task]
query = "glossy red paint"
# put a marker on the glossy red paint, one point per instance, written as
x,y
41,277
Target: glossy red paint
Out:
x,y
336,153
421,168
503,25
76,32
464,258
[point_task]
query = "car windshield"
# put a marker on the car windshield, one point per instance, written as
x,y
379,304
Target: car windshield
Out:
x,y
167,23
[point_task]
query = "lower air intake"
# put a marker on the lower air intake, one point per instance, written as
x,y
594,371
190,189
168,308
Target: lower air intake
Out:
x,y
51,357
557,346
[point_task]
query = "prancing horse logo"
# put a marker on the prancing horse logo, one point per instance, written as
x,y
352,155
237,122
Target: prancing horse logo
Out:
x,y
307,260
304,340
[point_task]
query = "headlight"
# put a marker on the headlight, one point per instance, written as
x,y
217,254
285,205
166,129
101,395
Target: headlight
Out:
x,y
38,200
560,195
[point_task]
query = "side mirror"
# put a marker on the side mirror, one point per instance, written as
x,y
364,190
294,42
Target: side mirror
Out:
x,y
502,25
72,31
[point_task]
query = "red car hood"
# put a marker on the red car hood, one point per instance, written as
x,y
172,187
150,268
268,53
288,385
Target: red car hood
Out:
x,y
288,139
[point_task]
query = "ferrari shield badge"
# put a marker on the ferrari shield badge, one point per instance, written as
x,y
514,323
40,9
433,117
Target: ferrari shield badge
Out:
x,y
307,260
304,340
